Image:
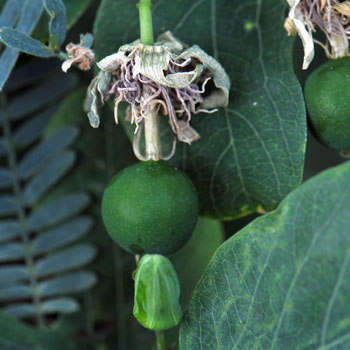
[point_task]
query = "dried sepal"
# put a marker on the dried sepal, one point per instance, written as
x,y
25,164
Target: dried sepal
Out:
x,y
96,96
343,8
332,17
297,18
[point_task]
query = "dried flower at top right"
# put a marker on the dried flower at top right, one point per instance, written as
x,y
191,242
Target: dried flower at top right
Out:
x,y
332,17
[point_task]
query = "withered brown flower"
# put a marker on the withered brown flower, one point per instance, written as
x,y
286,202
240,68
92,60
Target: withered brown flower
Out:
x,y
332,17
164,78
80,54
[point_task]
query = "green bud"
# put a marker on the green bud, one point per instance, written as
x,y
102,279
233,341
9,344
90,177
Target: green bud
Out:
x,y
157,292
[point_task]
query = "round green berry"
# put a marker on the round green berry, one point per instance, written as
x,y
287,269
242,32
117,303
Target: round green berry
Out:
x,y
327,96
150,207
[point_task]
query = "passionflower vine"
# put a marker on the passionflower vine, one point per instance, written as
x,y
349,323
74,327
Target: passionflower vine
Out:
x,y
332,17
165,78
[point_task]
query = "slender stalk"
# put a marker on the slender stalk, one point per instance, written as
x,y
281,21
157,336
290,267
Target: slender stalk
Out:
x,y
21,210
146,27
160,340
152,137
151,120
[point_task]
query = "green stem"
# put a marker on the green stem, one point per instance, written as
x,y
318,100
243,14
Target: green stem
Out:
x,y
146,27
160,340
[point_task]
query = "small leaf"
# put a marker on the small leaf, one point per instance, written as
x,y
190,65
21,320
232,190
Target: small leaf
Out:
x,y
59,305
34,160
32,71
24,43
8,205
11,251
31,130
10,13
58,22
283,281
62,305
72,283
67,259
58,210
9,229
11,274
8,60
52,173
62,235
40,96
2,146
17,292
30,14
5,178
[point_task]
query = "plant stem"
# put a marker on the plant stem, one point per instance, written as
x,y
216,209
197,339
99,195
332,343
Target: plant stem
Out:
x,y
146,27
160,340
151,120
152,137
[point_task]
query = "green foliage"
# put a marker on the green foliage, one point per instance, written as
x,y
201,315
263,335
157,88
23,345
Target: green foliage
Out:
x,y
39,260
279,283
327,98
262,133
15,39
150,207
25,18
17,336
282,282
58,22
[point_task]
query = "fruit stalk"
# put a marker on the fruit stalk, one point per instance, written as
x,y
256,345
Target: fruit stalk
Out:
x,y
151,120
146,26
160,340
152,137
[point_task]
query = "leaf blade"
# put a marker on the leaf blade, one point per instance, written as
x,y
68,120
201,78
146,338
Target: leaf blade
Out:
x,y
24,43
280,283
58,22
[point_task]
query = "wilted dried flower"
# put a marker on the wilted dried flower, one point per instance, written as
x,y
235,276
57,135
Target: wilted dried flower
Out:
x,y
80,53
332,17
163,77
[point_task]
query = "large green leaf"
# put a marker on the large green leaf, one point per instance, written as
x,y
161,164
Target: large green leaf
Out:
x,y
17,336
251,154
283,281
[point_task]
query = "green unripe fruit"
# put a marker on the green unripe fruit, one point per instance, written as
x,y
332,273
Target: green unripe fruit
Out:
x,y
150,207
327,96
157,293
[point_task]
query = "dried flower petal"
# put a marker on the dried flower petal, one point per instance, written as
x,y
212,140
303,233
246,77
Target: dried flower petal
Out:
x,y
332,17
164,78
80,54
95,99
297,17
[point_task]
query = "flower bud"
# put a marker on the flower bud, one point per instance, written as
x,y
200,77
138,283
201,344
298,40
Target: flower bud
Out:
x,y
157,292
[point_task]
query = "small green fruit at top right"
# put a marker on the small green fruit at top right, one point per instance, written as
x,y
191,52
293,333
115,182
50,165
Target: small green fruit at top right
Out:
x,y
327,96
